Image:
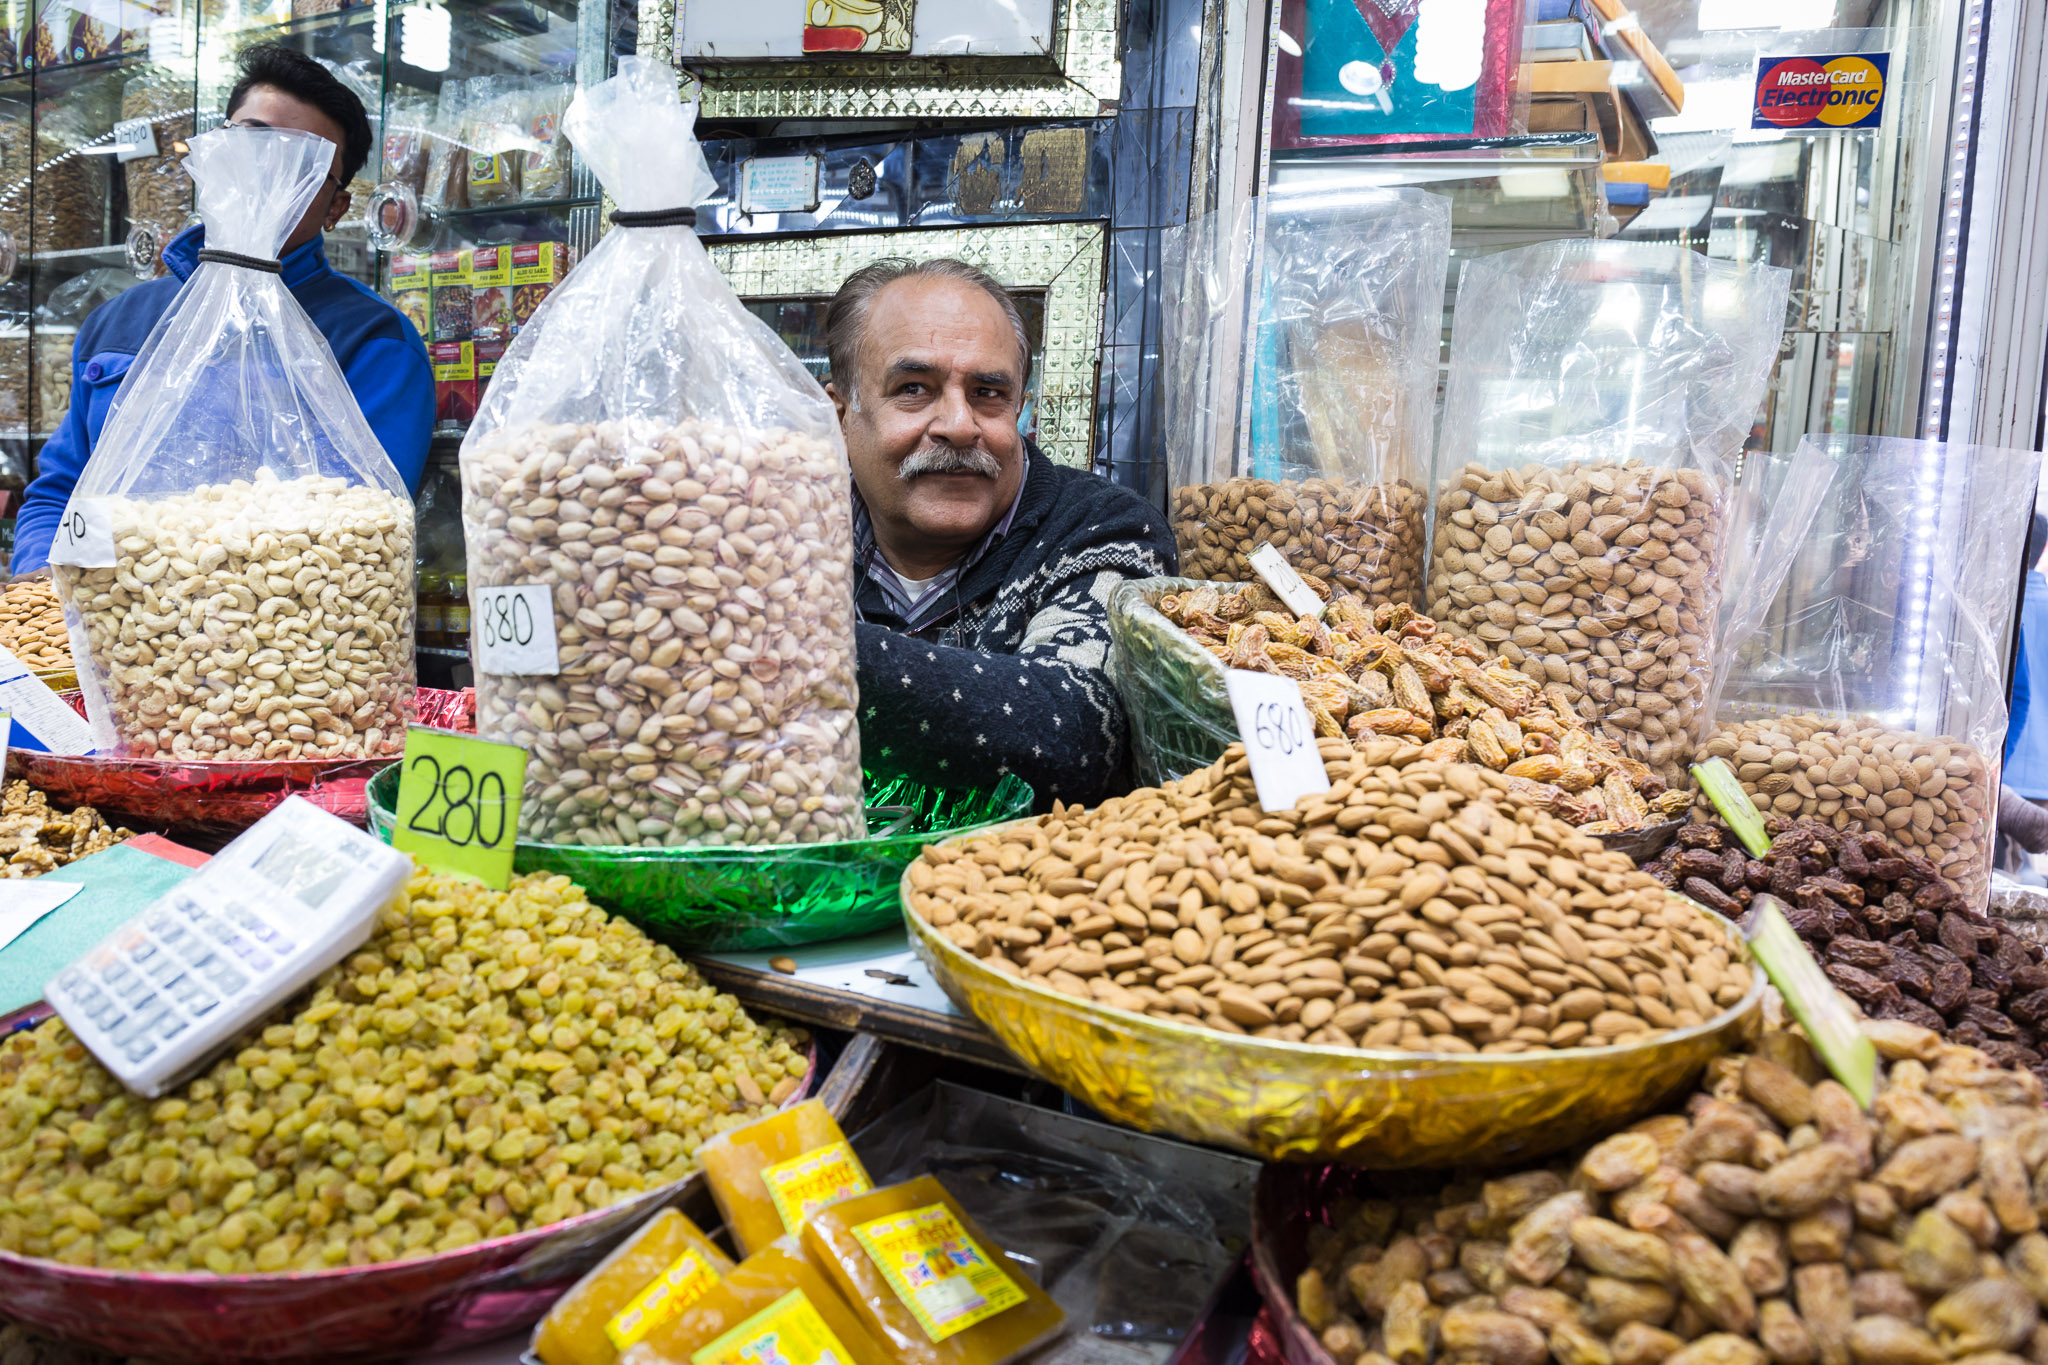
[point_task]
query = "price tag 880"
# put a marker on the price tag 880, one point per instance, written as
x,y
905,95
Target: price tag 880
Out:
x,y
458,803
1279,737
513,630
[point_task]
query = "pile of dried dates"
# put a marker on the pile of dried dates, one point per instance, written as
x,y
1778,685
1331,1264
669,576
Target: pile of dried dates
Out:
x,y
1890,932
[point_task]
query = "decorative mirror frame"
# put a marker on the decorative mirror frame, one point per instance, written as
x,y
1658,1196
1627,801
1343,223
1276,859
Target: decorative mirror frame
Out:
x,y
1084,78
1064,260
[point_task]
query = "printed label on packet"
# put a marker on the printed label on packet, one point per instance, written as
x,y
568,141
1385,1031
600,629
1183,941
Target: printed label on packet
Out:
x,y
787,1332
802,1186
940,1273
686,1280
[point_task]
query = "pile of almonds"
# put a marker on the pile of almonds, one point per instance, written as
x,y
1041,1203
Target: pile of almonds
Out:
x,y
1772,1219
32,624
1422,906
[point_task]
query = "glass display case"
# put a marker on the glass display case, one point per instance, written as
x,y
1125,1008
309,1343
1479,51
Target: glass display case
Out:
x,y
470,209
1634,118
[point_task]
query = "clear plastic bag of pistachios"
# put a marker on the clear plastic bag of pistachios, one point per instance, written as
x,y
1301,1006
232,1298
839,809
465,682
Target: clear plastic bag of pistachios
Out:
x,y
236,561
1300,335
1599,396
667,483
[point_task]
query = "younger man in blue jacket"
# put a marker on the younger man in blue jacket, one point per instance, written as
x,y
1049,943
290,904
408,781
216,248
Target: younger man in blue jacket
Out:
x,y
379,352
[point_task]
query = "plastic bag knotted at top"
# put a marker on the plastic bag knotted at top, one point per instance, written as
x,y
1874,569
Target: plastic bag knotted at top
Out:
x,y
659,461
236,561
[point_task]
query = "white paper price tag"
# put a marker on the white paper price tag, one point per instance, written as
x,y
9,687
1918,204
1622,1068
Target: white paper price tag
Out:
x,y
38,718
1279,738
1286,584
134,138
85,538
513,628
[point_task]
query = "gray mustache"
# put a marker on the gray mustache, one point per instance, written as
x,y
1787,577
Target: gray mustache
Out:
x,y
949,460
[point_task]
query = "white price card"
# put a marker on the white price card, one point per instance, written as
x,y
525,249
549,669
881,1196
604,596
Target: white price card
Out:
x,y
1279,737
134,138
23,901
513,629
1287,585
779,184
85,538
38,718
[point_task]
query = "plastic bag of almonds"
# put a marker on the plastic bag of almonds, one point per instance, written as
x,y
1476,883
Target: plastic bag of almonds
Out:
x,y
1344,299
654,465
1598,395
236,562
1872,695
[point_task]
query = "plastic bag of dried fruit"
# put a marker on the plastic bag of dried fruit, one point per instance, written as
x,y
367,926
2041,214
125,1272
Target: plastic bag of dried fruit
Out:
x,y
1872,695
1599,395
1300,334
236,562
667,483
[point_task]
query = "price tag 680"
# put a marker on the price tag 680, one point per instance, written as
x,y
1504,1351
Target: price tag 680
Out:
x,y
513,630
458,803
1279,738
85,537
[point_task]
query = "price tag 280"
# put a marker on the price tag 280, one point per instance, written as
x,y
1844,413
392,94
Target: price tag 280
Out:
x,y
1279,738
85,537
513,630
458,803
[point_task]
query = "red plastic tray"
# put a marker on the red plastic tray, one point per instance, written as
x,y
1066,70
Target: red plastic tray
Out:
x,y
216,801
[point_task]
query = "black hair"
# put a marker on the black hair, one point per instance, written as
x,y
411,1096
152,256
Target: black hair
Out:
x,y
293,73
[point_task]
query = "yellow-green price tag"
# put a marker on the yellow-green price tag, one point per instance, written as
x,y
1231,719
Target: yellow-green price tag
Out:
x,y
1811,998
458,803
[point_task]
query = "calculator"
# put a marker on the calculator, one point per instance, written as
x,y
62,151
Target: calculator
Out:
x,y
158,998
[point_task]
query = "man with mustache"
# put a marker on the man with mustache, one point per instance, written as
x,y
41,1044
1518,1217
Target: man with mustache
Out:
x,y
982,570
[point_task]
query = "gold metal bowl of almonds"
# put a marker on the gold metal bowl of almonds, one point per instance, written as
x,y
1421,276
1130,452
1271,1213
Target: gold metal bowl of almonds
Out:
x,y
1421,968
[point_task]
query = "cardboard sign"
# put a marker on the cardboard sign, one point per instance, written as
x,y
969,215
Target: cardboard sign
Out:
x,y
1279,738
514,630
1820,94
458,803
1287,585
85,537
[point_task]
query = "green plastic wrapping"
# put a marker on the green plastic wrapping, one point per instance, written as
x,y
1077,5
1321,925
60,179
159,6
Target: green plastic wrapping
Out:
x,y
1172,688
721,899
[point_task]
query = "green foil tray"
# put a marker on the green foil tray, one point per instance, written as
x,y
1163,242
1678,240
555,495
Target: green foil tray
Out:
x,y
719,899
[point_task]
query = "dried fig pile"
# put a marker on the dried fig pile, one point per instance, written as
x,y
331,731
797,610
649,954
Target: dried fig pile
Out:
x,y
1372,672
1772,1220
1889,930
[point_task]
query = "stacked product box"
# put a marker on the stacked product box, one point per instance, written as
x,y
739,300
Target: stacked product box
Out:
x,y
468,303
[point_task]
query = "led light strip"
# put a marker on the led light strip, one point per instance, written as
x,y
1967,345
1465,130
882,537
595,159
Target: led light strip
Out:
x,y
1954,223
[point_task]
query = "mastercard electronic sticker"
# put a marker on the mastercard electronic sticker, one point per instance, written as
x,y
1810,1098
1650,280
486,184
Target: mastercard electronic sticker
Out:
x,y
1820,94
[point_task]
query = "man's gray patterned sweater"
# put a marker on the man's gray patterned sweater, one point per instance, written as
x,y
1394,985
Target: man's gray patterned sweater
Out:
x,y
1012,675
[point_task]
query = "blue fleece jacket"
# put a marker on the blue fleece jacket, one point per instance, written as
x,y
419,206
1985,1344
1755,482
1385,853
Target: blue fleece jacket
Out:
x,y
379,352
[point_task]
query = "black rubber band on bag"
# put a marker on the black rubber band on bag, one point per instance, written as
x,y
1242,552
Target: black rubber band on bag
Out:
x,y
682,217
262,263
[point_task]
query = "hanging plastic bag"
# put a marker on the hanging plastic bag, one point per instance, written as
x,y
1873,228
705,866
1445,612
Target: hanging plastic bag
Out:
x,y
1599,395
1332,301
236,562
1872,696
652,457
